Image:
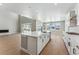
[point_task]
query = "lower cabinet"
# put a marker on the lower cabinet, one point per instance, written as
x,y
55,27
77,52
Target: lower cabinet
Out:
x,y
39,44
24,41
42,41
72,43
32,45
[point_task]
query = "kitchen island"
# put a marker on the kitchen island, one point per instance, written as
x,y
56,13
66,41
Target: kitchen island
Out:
x,y
34,42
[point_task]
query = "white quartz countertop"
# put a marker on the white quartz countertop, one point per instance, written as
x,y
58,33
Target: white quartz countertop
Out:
x,y
34,34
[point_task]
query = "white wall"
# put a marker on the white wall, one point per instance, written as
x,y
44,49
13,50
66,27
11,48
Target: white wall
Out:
x,y
8,20
77,12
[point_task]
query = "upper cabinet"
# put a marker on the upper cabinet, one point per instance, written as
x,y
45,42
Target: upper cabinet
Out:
x,y
73,18
29,25
26,27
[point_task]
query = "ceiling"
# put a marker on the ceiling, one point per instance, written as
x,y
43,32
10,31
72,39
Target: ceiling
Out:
x,y
40,10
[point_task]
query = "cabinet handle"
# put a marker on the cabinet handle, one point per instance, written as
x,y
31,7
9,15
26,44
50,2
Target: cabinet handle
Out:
x,y
77,46
42,40
69,43
74,51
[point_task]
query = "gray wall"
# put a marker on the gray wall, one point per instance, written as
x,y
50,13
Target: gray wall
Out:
x,y
23,19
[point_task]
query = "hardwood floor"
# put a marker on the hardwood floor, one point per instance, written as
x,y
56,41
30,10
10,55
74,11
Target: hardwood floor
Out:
x,y
10,44
55,46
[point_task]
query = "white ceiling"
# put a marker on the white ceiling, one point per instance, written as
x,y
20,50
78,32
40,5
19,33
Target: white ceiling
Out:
x,y
40,10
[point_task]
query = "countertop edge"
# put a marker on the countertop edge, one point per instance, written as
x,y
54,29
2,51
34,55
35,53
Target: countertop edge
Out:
x,y
73,33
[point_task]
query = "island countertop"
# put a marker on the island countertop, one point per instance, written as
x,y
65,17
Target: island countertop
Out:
x,y
34,34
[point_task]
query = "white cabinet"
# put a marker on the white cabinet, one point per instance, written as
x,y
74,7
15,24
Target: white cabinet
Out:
x,y
24,41
39,45
45,39
72,43
32,45
67,41
26,27
42,41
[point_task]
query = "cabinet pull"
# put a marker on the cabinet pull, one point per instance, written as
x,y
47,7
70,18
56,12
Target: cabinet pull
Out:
x,y
77,46
42,40
74,51
69,43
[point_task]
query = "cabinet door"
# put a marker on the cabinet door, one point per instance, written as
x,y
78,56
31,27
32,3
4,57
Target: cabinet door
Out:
x,y
39,45
48,37
74,44
33,28
45,39
32,44
24,42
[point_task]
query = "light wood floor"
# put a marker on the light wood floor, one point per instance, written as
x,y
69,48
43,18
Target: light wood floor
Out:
x,y
55,46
